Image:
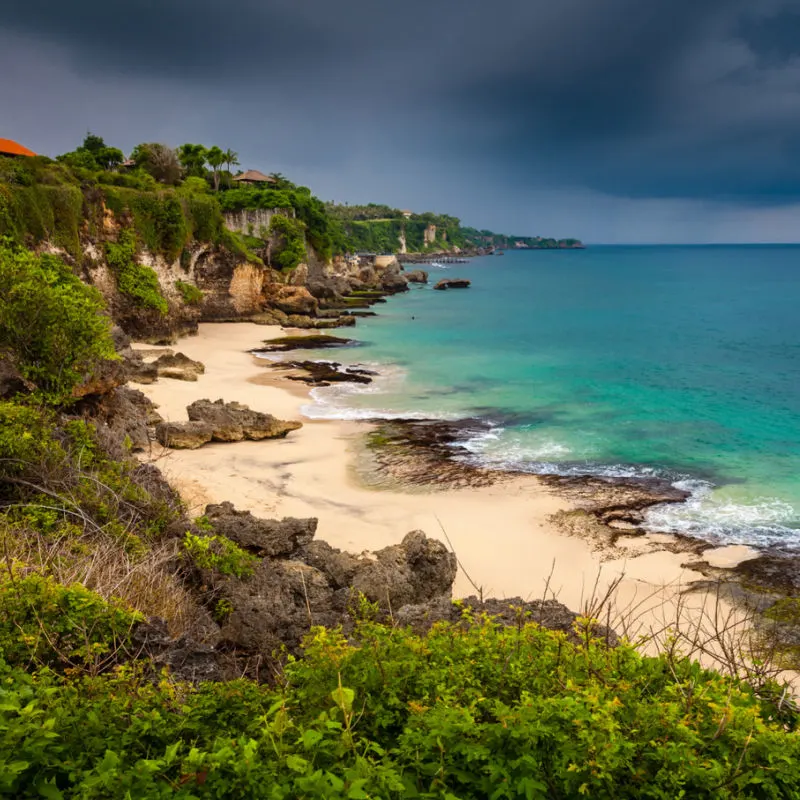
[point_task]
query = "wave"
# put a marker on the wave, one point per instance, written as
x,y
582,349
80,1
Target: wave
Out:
x,y
338,401
707,514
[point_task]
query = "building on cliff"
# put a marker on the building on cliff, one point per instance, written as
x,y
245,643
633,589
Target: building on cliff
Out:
x,y
8,147
253,178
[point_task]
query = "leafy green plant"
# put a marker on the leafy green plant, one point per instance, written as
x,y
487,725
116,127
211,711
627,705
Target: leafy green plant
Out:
x,y
290,248
192,296
468,711
51,323
135,280
47,624
219,553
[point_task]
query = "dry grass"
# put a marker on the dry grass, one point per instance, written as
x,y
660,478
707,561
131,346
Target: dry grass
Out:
x,y
148,582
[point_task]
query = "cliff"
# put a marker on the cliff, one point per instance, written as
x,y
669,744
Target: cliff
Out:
x,y
166,258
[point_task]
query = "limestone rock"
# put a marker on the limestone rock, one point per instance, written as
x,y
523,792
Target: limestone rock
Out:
x,y
265,537
178,366
417,276
453,283
293,300
184,435
233,422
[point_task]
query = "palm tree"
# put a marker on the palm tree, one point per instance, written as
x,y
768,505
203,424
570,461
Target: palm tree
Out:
x,y
231,159
215,158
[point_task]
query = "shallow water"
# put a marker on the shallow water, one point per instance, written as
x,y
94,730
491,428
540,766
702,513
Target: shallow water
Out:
x,y
676,361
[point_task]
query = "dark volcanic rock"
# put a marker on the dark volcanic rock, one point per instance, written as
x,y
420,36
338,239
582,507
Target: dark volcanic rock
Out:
x,y
428,453
772,573
453,283
264,537
186,659
510,611
126,412
233,422
323,373
417,570
311,342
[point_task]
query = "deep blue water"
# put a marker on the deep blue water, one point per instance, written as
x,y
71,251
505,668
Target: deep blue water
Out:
x,y
681,361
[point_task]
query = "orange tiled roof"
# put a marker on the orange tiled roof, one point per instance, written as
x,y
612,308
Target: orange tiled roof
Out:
x,y
11,148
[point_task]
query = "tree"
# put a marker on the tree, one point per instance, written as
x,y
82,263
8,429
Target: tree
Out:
x,y
231,159
159,160
193,159
216,158
51,323
109,158
93,154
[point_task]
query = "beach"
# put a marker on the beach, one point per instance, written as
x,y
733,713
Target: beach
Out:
x,y
504,535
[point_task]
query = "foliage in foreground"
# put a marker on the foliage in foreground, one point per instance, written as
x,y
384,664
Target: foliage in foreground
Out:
x,y
50,322
464,712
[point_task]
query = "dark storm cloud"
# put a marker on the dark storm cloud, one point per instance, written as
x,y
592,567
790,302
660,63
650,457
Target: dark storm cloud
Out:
x,y
667,98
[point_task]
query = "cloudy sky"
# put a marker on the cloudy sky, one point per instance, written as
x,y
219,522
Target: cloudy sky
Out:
x,y
620,121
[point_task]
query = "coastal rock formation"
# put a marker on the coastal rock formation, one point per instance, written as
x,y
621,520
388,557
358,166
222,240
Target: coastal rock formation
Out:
x,y
298,583
311,342
323,373
233,422
126,413
509,611
184,435
417,276
452,283
293,300
262,537
178,366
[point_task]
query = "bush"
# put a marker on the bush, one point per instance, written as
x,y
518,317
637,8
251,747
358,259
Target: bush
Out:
x,y
51,322
464,712
137,281
192,296
289,234
43,623
219,553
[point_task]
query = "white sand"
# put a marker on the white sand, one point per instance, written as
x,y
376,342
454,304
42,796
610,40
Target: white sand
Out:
x,y
501,534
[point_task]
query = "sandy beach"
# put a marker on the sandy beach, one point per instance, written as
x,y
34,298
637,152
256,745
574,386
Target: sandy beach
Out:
x,y
502,534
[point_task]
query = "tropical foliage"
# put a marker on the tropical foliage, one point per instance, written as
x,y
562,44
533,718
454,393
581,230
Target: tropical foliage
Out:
x,y
51,323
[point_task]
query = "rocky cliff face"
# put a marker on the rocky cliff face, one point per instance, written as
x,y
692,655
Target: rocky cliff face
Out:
x,y
233,284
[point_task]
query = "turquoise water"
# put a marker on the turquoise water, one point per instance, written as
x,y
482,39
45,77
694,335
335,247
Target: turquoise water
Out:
x,y
676,361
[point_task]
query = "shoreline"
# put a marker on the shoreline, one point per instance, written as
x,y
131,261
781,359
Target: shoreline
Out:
x,y
509,535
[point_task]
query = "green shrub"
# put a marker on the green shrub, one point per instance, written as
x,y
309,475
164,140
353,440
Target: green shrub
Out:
x,y
290,247
192,296
51,322
468,713
219,553
46,624
137,281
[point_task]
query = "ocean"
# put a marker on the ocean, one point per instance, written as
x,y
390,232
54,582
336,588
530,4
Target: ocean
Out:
x,y
681,362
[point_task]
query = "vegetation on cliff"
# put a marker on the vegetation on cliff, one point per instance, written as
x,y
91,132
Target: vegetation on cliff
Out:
x,y
51,322
380,228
